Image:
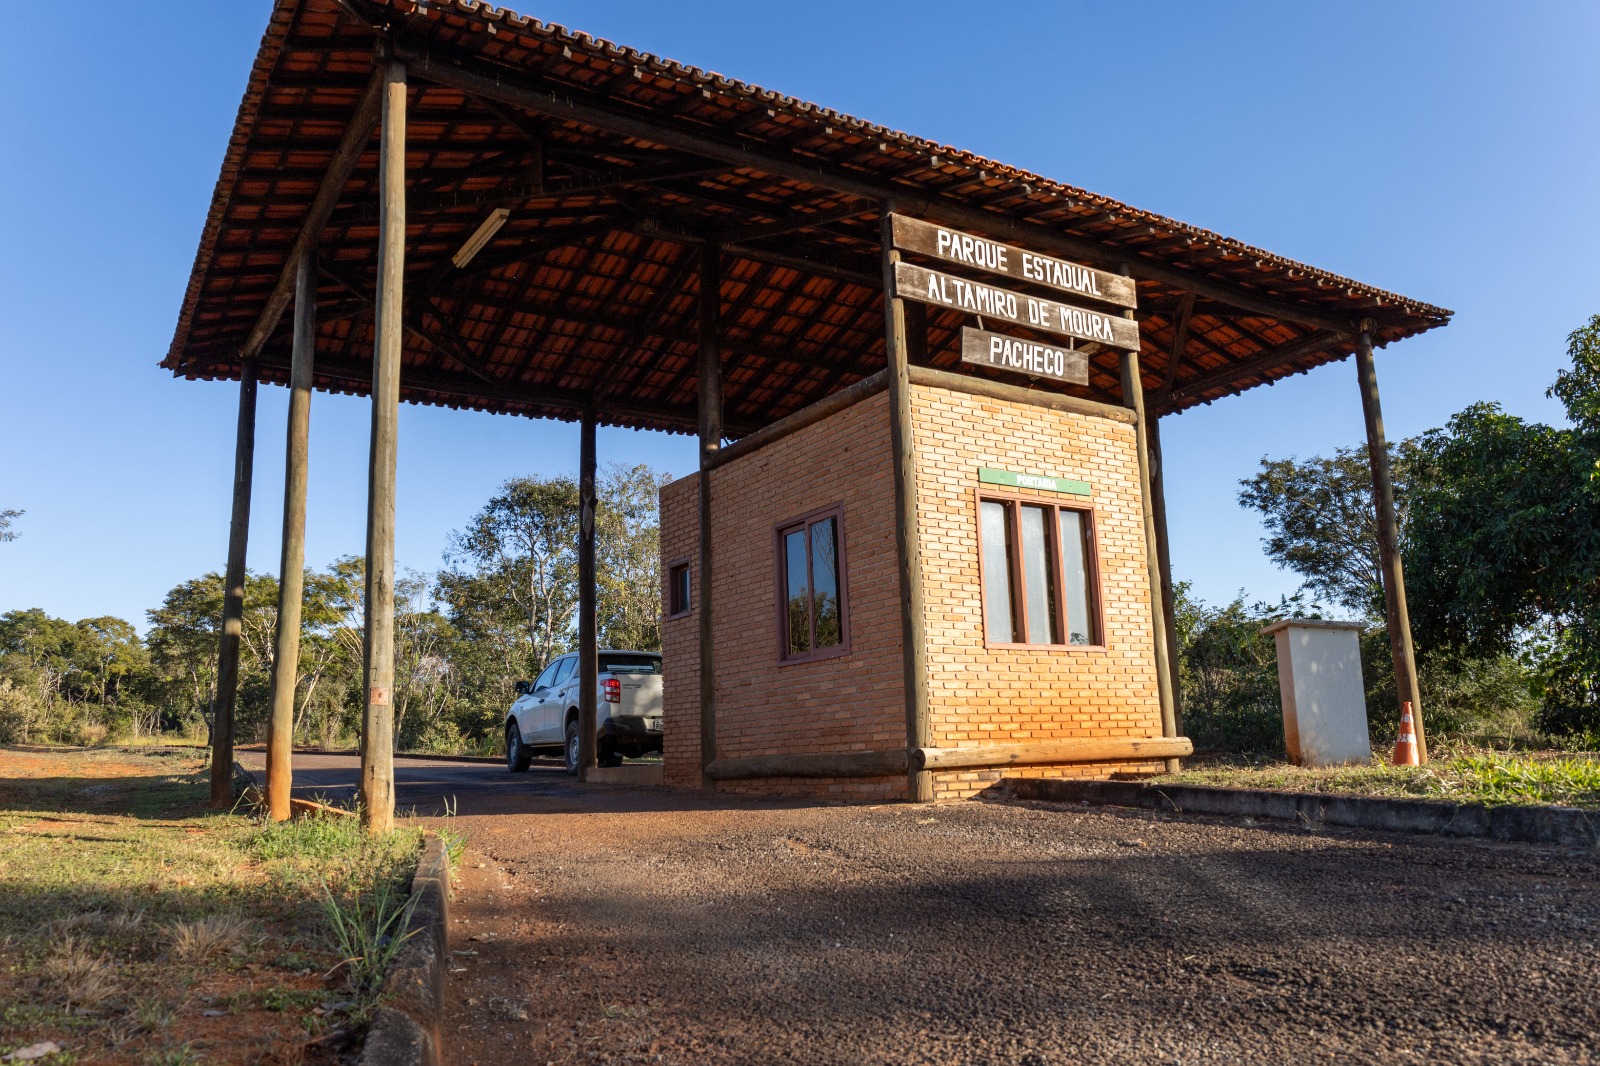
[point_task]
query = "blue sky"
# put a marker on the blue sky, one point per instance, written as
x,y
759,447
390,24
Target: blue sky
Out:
x,y
1447,151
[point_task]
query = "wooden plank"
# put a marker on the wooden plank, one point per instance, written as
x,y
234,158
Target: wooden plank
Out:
x,y
1397,615
908,548
1000,390
377,734
1169,616
1052,753
232,628
980,253
1034,358
826,764
292,556
913,282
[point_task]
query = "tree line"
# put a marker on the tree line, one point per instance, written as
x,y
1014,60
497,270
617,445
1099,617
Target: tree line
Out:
x,y
1499,521
502,604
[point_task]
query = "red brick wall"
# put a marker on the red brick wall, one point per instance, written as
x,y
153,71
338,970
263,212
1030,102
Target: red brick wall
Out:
x,y
850,703
980,695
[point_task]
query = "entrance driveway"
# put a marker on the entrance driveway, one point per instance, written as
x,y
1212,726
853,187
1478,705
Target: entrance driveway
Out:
x,y
611,925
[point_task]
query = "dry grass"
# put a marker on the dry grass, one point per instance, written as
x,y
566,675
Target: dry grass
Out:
x,y
83,977
203,940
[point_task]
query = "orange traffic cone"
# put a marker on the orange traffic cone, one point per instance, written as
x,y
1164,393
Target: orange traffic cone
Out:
x,y
1405,745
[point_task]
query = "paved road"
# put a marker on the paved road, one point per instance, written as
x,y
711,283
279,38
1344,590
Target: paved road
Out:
x,y
619,926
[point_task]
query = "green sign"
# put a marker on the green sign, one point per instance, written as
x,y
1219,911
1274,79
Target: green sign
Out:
x,y
1032,481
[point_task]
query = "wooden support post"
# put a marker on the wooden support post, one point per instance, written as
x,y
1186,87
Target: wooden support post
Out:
x,y
1158,500
588,646
292,561
377,731
1397,615
913,645
222,701
710,443
1133,397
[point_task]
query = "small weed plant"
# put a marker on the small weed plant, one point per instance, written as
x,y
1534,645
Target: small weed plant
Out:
x,y
368,929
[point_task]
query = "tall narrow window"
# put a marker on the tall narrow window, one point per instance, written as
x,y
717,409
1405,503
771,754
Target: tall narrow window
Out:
x,y
1037,566
679,590
813,617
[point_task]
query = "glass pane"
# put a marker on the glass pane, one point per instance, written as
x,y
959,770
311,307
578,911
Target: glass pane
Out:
x,y
630,664
1038,577
796,592
1075,562
565,672
825,583
680,589
998,618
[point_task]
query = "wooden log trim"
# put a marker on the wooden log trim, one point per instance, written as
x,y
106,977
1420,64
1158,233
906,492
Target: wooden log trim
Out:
x,y
807,416
812,764
1052,753
999,390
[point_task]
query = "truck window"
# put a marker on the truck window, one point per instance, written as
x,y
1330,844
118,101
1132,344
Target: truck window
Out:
x,y
630,664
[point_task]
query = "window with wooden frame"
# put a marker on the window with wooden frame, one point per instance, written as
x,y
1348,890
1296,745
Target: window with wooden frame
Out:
x,y
1041,584
680,589
813,613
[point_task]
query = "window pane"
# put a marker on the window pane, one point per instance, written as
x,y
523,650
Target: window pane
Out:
x,y
630,664
1075,561
825,583
1038,576
565,671
680,590
998,616
796,591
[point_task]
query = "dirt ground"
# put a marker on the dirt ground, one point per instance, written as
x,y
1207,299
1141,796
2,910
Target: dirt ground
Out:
x,y
621,926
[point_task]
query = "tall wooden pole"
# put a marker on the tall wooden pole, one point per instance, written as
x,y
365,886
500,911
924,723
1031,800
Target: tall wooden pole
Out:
x,y
1158,499
1133,397
377,732
710,442
588,642
292,562
244,450
1397,615
913,642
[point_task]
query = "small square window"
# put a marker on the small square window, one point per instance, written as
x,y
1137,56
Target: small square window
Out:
x,y
679,590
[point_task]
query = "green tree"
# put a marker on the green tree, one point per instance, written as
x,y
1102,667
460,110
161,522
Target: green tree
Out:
x,y
628,557
6,518
1503,546
183,649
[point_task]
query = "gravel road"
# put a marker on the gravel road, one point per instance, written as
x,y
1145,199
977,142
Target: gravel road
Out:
x,y
620,926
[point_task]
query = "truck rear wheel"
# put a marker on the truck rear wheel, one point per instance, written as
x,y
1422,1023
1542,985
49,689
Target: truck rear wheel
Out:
x,y
518,756
572,749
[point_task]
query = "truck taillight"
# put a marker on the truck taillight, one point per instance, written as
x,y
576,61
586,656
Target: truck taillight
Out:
x,y
613,690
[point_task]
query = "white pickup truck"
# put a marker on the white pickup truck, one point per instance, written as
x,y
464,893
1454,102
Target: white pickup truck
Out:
x,y
544,718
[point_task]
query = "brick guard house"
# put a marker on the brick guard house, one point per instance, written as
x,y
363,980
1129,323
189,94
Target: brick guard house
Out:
x,y
917,572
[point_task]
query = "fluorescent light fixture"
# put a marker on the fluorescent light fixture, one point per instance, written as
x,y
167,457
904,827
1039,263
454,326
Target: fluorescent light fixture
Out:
x,y
481,236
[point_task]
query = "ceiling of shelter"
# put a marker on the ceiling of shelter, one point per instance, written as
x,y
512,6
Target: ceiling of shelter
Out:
x,y
617,169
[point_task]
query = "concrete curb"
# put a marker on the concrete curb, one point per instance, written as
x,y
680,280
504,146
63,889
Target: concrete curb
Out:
x,y
1565,826
406,1030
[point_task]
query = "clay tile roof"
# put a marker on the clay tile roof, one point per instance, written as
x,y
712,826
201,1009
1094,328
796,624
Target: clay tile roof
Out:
x,y
615,168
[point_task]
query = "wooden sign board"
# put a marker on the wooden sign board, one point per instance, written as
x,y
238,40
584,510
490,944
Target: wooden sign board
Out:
x,y
1012,479
983,348
913,282
953,246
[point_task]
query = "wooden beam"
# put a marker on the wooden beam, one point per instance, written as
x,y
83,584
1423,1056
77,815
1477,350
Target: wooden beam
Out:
x,y
825,764
1158,501
795,220
801,419
1180,342
377,734
1397,616
999,390
231,629
494,82
1052,753
1272,359
907,538
710,382
1133,397
345,157
588,644
292,558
